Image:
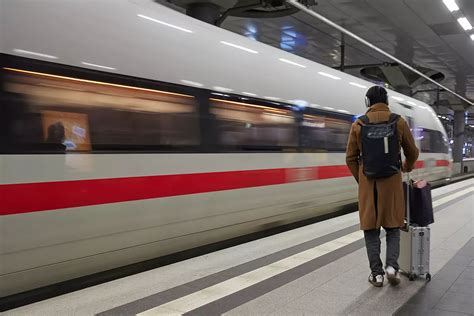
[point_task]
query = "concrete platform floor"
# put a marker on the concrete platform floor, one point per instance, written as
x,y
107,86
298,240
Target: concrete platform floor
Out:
x,y
451,293
319,269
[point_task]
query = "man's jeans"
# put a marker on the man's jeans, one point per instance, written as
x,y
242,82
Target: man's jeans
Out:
x,y
372,243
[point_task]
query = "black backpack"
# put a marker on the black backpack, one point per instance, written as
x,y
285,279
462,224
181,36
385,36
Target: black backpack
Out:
x,y
380,147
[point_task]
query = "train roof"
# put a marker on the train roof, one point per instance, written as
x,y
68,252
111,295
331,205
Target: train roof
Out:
x,y
144,39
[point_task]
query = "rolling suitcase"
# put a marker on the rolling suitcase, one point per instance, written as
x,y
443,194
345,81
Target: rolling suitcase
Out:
x,y
414,257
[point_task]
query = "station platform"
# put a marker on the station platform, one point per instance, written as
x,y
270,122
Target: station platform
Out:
x,y
318,269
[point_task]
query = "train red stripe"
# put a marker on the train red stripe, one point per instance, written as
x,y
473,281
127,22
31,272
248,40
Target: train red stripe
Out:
x,y
442,163
419,164
32,197
43,196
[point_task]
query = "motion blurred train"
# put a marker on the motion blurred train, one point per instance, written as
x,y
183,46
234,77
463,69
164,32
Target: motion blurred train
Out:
x,y
132,131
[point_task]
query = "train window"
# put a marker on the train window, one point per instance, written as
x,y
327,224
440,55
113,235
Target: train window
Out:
x,y
433,141
51,112
324,132
67,129
243,126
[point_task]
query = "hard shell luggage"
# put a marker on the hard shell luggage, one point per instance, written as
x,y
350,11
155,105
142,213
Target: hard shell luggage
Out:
x,y
414,257
415,252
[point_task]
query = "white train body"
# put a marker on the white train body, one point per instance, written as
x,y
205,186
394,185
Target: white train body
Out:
x,y
70,214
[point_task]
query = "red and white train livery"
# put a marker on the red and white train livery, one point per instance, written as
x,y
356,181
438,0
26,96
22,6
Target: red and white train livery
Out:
x,y
130,131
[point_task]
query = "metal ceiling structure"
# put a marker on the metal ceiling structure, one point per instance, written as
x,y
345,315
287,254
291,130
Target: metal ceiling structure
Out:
x,y
421,33
344,31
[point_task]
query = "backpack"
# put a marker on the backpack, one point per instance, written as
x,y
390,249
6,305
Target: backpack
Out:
x,y
380,147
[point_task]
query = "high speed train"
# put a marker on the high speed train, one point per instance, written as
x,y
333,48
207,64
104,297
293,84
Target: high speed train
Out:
x,y
132,131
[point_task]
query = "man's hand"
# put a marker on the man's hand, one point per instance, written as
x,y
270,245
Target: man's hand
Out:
x,y
405,167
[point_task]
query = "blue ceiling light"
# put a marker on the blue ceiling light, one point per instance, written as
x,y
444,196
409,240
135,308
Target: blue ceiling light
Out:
x,y
251,36
251,31
290,32
290,39
251,28
289,46
287,42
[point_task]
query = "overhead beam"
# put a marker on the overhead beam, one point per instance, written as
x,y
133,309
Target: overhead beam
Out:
x,y
318,16
367,65
343,52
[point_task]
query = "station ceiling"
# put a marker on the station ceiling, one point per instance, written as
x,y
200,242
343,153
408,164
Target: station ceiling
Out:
x,y
422,33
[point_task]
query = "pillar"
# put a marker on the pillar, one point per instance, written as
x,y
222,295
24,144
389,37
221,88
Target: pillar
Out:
x,y
459,123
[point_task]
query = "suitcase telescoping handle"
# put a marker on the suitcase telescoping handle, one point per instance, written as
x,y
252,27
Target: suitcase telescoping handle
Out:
x,y
407,201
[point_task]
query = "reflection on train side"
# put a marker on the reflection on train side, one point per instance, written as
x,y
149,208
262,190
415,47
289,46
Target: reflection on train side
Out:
x,y
52,113
49,113
324,133
247,125
51,110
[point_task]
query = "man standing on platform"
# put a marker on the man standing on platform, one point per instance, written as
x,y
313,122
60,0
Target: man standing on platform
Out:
x,y
374,157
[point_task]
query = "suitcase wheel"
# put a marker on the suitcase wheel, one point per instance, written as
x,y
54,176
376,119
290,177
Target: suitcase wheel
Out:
x,y
428,277
411,277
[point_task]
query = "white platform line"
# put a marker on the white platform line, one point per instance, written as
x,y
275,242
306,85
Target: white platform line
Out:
x,y
192,301
452,197
210,294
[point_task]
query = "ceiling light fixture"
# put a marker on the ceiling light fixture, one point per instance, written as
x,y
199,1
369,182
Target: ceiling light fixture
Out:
x,y
291,62
164,23
357,85
451,5
329,75
465,24
472,37
98,66
240,47
21,51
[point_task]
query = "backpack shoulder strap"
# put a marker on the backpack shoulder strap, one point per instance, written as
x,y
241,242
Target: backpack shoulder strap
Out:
x,y
393,117
364,119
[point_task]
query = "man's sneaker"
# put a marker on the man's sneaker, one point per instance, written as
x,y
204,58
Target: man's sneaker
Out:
x,y
376,280
393,275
